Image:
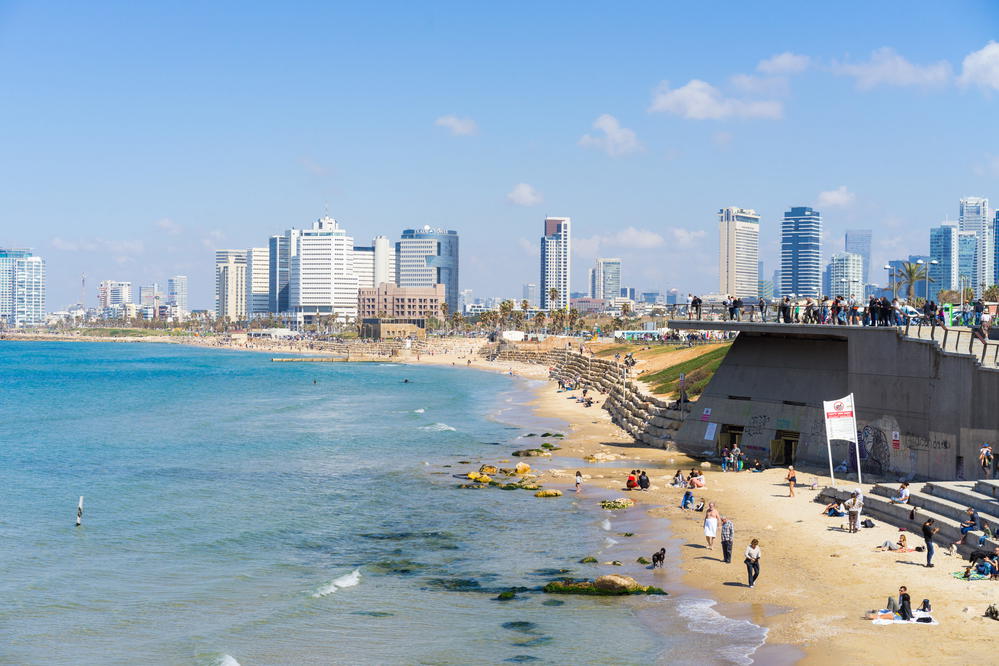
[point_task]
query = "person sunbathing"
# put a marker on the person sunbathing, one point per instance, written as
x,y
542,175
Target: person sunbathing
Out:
x,y
900,546
834,509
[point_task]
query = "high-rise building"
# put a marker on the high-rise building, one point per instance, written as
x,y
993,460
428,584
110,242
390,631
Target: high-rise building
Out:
x,y
625,292
605,278
674,297
428,256
801,252
739,251
322,280
375,264
556,263
278,273
230,298
177,293
995,248
148,294
967,259
650,297
974,217
846,275
764,286
258,266
775,279
530,294
22,288
858,241
944,250
465,300
113,292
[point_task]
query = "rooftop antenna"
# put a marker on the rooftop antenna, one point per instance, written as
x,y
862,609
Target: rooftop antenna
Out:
x,y
83,289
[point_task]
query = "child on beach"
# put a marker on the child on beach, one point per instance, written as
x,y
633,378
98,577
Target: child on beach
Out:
x,y
579,481
632,480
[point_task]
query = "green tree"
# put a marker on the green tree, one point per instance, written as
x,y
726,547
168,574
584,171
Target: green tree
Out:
x,y
910,274
991,294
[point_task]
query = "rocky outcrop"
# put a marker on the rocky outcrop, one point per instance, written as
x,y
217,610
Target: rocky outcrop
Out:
x,y
551,492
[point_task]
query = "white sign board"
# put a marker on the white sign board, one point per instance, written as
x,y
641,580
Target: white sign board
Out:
x,y
709,432
841,423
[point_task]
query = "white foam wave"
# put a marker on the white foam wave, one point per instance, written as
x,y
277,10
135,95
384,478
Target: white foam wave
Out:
x,y
419,411
606,525
742,636
608,542
438,427
227,660
346,580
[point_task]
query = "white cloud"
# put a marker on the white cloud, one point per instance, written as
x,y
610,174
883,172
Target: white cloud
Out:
x,y
685,238
98,244
700,100
981,68
523,194
784,63
760,85
629,238
616,141
887,67
458,126
169,226
528,247
212,238
840,197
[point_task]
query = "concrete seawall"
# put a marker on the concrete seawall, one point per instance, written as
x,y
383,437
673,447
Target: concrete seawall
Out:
x,y
647,418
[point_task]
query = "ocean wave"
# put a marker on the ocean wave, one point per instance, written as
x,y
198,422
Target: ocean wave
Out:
x,y
606,525
742,636
438,427
608,542
346,580
419,411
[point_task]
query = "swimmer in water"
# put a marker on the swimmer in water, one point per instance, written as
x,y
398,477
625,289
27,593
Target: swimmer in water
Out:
x,y
405,381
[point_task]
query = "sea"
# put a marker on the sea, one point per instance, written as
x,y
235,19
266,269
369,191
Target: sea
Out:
x,y
241,511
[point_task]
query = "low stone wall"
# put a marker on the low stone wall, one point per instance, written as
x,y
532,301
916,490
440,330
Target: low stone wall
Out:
x,y
645,417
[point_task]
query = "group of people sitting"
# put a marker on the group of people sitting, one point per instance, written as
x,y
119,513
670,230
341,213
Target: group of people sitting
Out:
x,y
638,479
694,480
984,562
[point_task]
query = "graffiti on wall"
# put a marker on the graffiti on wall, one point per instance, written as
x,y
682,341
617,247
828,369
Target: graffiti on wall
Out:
x,y
919,443
875,443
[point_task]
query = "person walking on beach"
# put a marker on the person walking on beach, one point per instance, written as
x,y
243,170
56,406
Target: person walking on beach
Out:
x,y
711,525
791,480
854,506
929,529
753,561
579,480
727,537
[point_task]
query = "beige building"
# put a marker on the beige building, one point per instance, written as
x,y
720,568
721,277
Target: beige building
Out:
x,y
386,329
739,245
392,302
230,288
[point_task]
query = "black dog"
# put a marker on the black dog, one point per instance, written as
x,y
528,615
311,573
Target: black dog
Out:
x,y
658,558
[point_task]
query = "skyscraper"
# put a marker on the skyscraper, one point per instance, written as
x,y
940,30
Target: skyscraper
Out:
x,y
974,217
428,256
764,286
530,294
322,281
606,278
801,252
177,293
22,288
147,295
556,263
113,292
846,275
739,251
858,241
375,264
943,250
995,248
230,284
967,259
257,281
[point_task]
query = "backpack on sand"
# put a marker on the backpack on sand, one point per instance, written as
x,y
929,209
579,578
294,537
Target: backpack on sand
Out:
x,y
867,523
992,612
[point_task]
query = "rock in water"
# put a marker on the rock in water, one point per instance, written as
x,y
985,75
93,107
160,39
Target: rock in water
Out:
x,y
548,493
615,583
522,468
487,469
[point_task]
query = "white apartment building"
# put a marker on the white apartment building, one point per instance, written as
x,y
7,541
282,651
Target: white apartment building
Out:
x,y
974,216
113,292
556,263
605,279
322,280
22,288
375,264
230,297
846,275
257,281
148,294
739,251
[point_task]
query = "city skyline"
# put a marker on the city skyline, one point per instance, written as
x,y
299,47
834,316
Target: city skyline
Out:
x,y
640,138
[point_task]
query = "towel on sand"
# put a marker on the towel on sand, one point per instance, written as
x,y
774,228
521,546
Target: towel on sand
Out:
x,y
916,615
974,576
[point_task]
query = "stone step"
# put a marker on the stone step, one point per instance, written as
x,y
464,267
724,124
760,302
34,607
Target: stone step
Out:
x,y
987,487
943,507
964,493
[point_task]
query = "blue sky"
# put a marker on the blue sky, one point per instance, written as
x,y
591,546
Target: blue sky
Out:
x,y
139,137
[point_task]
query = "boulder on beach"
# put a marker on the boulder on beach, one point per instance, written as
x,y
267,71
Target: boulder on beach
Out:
x,y
531,453
706,465
615,583
480,478
522,468
550,492
487,469
616,504
612,585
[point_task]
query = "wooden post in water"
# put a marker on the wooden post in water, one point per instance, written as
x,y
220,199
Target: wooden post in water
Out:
x,y
79,512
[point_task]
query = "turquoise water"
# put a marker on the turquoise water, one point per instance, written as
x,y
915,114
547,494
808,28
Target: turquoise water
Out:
x,y
238,512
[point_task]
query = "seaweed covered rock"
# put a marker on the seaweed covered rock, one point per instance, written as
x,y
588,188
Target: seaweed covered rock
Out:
x,y
473,485
487,469
522,468
550,492
531,453
643,560
480,478
615,583
608,586
617,504
588,560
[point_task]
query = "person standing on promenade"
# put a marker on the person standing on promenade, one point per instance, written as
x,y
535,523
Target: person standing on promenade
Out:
x,y
854,506
753,561
727,537
791,480
711,525
763,309
690,306
929,529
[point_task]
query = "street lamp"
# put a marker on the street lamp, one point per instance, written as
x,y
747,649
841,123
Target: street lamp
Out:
x,y
891,282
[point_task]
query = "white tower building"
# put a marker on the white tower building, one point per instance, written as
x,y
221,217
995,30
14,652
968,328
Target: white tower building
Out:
x,y
556,263
739,245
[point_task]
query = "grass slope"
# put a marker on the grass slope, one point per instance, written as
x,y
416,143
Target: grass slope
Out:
x,y
698,370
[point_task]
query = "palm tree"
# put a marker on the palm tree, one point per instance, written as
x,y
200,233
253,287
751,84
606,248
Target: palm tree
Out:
x,y
505,310
552,297
539,320
910,274
557,319
572,319
524,305
625,310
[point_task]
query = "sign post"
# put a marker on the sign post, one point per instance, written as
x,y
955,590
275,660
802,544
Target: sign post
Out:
x,y
841,423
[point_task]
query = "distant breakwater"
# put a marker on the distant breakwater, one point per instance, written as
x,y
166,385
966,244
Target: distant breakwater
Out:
x,y
649,419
